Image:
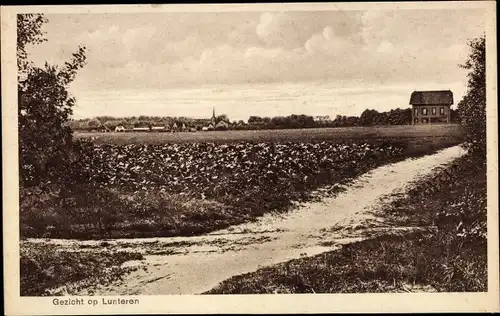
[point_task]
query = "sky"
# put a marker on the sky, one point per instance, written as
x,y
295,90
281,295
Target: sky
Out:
x,y
259,63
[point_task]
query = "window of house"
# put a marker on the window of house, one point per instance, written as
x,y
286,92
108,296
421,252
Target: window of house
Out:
x,y
416,120
424,111
441,110
433,111
416,111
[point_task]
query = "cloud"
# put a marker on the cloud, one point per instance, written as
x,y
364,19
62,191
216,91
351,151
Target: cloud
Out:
x,y
265,53
328,33
244,34
269,22
292,29
165,50
421,29
176,50
385,47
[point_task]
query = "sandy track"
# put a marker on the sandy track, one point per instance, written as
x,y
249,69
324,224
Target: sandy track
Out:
x,y
191,265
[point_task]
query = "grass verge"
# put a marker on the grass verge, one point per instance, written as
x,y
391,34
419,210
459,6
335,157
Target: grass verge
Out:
x,y
451,258
44,269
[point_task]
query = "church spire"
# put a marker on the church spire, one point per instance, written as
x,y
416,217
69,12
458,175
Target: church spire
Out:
x,y
214,119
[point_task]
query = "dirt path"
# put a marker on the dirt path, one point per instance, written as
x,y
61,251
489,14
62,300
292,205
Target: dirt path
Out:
x,y
191,265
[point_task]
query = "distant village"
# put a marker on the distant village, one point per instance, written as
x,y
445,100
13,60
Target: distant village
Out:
x,y
427,107
154,124
215,123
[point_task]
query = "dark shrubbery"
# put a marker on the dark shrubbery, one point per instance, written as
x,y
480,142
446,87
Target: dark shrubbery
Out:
x,y
138,190
192,188
472,107
44,107
453,199
43,267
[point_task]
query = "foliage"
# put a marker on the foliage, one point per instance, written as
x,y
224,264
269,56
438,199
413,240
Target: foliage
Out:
x,y
44,106
393,117
458,197
216,170
140,190
29,31
472,107
45,267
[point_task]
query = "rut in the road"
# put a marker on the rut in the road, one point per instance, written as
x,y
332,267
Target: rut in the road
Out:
x,y
190,265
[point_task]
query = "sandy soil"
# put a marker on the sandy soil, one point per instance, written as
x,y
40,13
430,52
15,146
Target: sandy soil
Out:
x,y
192,265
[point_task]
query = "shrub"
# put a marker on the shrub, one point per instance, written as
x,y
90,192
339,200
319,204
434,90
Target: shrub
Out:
x,y
44,108
45,267
472,108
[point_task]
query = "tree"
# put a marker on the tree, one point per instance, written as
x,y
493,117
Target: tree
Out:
x,y
222,117
254,120
29,31
94,123
367,117
454,117
44,106
472,108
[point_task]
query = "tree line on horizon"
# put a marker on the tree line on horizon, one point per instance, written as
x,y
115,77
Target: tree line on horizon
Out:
x,y
369,117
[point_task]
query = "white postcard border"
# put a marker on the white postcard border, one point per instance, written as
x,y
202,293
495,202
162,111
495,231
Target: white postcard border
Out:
x,y
216,304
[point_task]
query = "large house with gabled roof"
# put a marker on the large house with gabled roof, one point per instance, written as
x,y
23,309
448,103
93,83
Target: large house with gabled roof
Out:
x,y
431,107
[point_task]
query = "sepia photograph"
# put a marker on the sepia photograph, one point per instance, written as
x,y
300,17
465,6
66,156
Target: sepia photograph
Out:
x,y
282,149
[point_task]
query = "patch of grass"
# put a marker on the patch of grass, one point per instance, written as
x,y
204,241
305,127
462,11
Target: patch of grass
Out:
x,y
95,213
44,268
452,258
384,264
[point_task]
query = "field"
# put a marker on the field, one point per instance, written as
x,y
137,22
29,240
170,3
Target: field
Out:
x,y
190,188
293,135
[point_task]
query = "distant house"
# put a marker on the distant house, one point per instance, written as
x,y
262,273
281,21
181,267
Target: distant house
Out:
x,y
141,129
158,128
120,128
222,125
322,118
104,128
216,123
431,107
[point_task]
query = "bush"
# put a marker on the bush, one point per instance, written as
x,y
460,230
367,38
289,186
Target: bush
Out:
x,y
44,108
45,267
472,108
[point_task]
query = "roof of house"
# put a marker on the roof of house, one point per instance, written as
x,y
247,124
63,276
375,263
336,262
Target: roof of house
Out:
x,y
431,97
